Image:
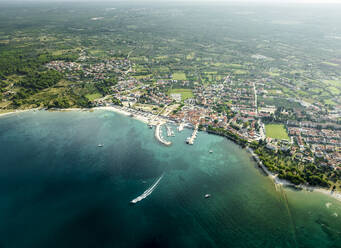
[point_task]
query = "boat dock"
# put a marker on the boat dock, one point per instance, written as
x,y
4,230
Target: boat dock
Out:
x,y
170,132
181,127
159,137
190,140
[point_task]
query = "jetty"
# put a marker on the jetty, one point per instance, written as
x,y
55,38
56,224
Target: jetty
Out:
x,y
190,140
181,127
158,135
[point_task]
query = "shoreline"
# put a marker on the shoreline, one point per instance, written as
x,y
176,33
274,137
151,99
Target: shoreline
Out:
x,y
17,112
277,181
334,194
135,114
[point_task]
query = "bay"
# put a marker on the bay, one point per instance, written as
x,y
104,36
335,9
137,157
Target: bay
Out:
x,y
59,189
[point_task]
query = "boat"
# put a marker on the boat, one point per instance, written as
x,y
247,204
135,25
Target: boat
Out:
x,y
100,145
210,151
207,196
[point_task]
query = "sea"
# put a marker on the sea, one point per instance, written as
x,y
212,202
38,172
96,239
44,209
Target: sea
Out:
x,y
58,188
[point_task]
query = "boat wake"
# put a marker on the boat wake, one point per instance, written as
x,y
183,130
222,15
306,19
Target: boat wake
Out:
x,y
148,191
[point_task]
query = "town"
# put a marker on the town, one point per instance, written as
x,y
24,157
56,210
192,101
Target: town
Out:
x,y
232,104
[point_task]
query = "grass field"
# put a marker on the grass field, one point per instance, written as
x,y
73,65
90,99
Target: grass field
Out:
x,y
94,96
185,93
179,76
273,74
330,102
335,83
330,63
142,76
276,131
240,72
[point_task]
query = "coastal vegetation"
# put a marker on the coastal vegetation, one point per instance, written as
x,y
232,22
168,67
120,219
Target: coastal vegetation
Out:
x,y
285,165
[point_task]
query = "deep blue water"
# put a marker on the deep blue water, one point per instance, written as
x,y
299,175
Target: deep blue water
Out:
x,y
58,189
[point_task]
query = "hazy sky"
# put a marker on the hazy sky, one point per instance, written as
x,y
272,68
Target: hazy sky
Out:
x,y
183,1
269,1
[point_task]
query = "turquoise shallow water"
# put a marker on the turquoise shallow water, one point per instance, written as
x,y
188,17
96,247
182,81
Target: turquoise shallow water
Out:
x,y
58,189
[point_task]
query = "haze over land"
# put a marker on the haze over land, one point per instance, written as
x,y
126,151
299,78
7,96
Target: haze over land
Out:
x,y
264,75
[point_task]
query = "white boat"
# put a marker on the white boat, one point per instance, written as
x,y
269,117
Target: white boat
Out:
x,y
210,151
100,145
207,196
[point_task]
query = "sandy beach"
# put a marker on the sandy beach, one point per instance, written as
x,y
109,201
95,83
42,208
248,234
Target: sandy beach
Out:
x,y
335,194
17,112
144,117
123,111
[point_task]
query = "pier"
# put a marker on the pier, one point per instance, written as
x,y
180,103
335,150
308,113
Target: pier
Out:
x,y
158,135
190,140
170,132
181,127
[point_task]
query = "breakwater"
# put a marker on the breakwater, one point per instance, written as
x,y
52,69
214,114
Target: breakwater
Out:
x,y
159,137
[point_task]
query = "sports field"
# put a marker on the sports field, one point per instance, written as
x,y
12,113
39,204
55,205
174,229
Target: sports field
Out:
x,y
179,76
185,93
276,131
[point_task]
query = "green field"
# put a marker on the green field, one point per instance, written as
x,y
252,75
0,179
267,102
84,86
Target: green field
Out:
x,y
143,76
94,96
276,131
330,63
335,83
179,76
330,102
240,72
273,74
185,93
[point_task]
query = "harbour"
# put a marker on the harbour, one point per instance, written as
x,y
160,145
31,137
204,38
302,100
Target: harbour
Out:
x,y
200,199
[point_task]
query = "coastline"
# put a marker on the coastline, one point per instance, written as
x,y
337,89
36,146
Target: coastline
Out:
x,y
334,194
123,112
146,118
115,109
17,112
277,181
